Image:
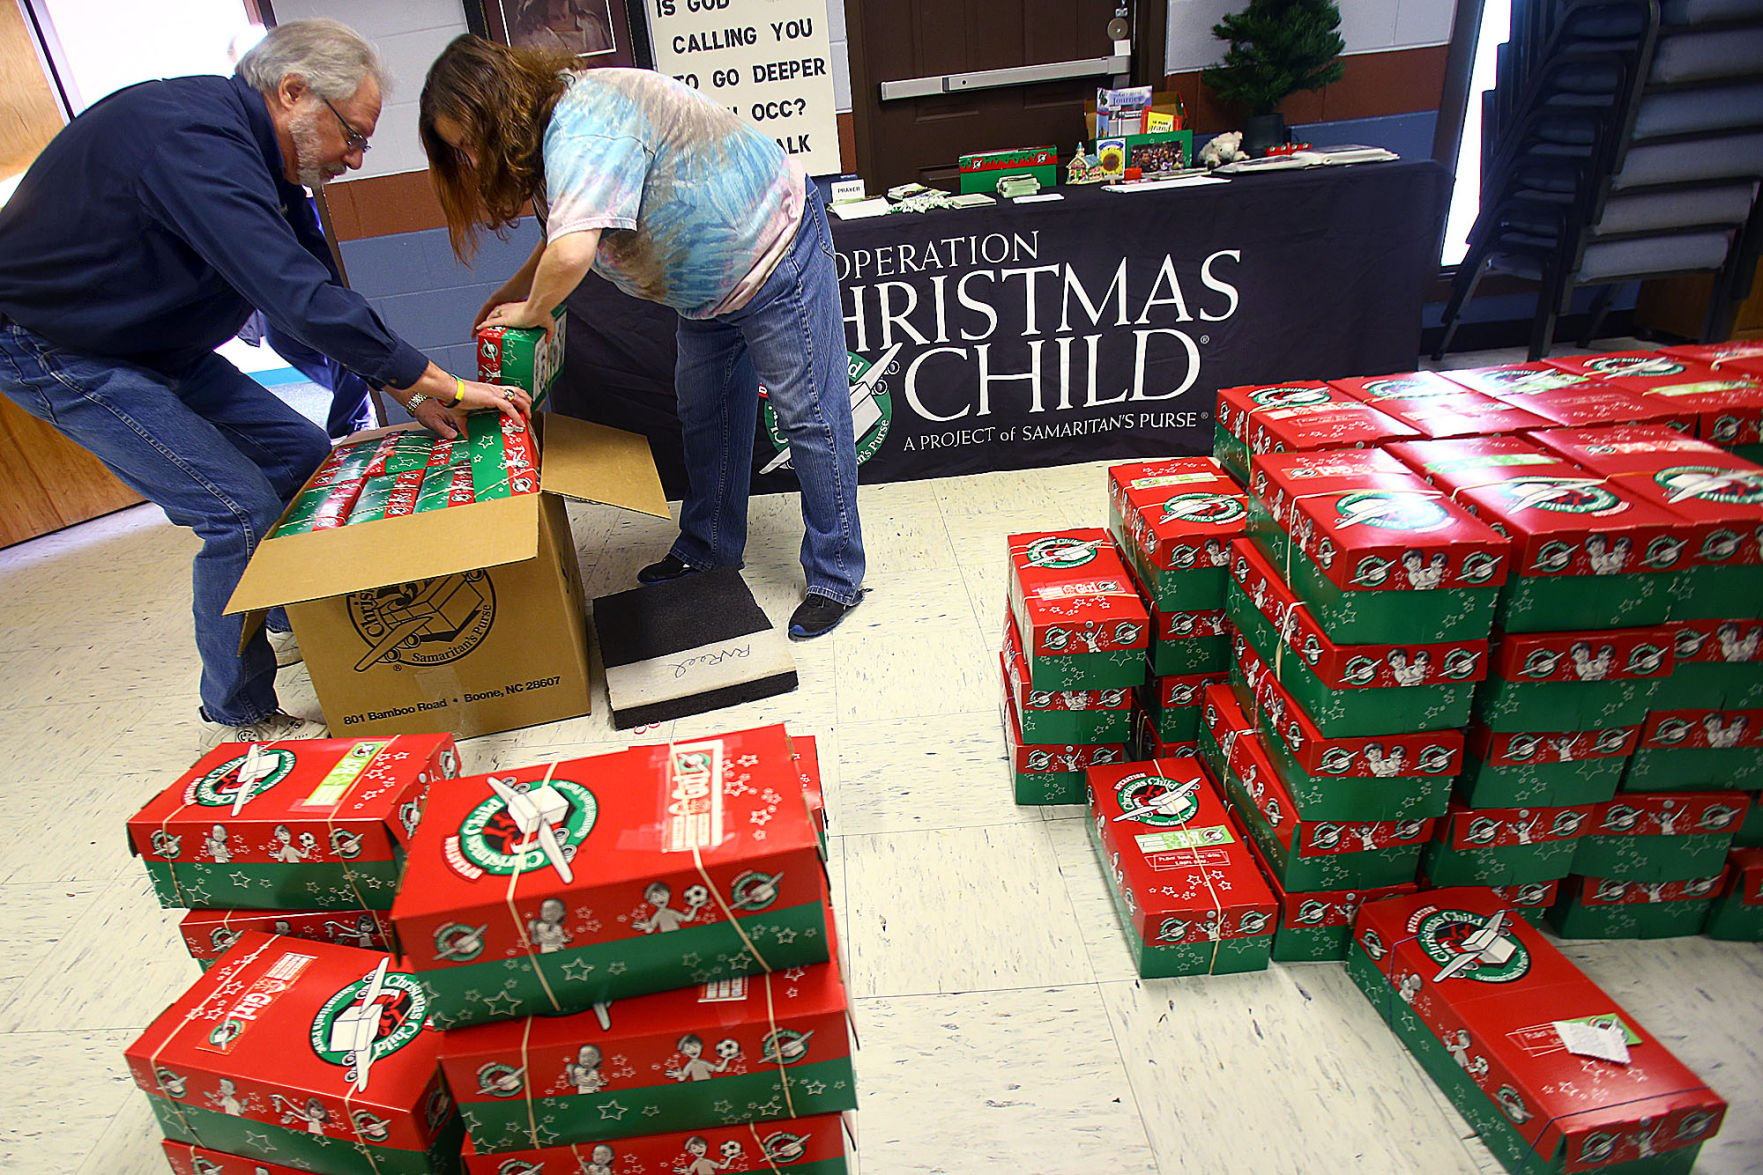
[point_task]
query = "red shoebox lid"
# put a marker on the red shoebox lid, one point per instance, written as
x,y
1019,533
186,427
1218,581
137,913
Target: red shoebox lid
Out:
x,y
1515,377
1070,593
200,1160
1676,813
1349,666
1530,895
1239,405
1408,385
1533,748
1739,356
1181,512
272,1016
209,934
1702,729
1361,515
1719,494
1714,642
1183,868
1465,414
1608,891
1464,828
1313,427
1563,519
1585,405
1490,988
369,790
1612,654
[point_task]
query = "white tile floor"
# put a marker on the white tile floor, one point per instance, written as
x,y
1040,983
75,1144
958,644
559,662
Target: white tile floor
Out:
x,y
1002,1027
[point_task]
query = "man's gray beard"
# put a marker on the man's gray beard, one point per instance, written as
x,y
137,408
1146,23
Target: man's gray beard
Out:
x,y
308,147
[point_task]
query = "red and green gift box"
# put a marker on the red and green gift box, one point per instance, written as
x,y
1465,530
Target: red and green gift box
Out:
x,y
1509,769
1464,414
1189,896
1589,404
209,934
1082,623
1600,907
1592,680
1379,556
1506,846
310,1055
186,1159
1173,520
1315,428
1686,750
1315,927
349,461
551,888
750,1048
320,508
1238,407
1718,665
1712,396
318,824
504,458
1058,716
1172,704
1379,777
523,356
1719,495
1737,912
1185,643
1407,385
1660,836
1529,900
444,486
1053,773
801,1146
1586,552
1306,854
1349,690
1504,378
1489,1007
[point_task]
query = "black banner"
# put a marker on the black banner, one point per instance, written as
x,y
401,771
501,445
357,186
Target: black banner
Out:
x,y
1096,326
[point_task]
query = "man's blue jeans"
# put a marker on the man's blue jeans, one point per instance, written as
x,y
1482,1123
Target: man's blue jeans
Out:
x,y
790,339
210,447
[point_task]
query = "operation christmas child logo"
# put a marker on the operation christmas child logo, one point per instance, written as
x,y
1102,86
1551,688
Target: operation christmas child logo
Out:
x,y
1635,365
1215,509
1469,946
222,787
872,408
1561,495
1390,510
394,1005
1154,800
425,622
1710,483
519,830
1060,553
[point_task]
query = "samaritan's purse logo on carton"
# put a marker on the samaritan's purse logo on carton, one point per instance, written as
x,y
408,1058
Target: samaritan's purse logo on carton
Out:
x,y
872,408
1059,552
1216,509
400,1005
491,838
1472,946
423,622
1390,510
220,788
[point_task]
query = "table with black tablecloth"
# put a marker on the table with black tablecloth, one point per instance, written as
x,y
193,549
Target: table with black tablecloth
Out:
x,y
1099,325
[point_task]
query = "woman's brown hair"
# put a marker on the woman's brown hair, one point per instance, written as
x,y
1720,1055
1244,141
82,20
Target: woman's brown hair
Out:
x,y
501,99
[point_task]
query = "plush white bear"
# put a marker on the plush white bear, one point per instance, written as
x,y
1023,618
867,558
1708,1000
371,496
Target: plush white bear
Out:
x,y
1222,149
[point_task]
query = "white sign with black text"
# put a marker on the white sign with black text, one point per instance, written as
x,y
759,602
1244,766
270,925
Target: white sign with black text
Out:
x,y
767,60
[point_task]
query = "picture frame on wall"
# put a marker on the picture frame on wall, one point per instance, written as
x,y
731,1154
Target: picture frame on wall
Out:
x,y
596,33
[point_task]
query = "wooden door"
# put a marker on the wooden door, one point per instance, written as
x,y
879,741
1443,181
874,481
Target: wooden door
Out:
x,y
920,139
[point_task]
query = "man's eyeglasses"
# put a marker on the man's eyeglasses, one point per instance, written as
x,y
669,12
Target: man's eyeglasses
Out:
x,y
356,140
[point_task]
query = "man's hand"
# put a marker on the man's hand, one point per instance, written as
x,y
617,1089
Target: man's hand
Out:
x,y
518,314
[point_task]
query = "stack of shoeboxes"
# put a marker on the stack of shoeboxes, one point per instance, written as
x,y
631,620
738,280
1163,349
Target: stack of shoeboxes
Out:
x,y
413,471
1362,602
631,957
1172,522
1550,1071
1075,643
292,1051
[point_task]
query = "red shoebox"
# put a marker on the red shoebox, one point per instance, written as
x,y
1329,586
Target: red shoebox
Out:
x,y
1466,414
199,1160
1549,506
762,1046
557,886
1743,357
1317,427
1719,493
1238,406
209,934
1515,377
744,1148
1724,405
264,1056
1179,515
1082,623
307,824
1487,987
1586,405
1409,385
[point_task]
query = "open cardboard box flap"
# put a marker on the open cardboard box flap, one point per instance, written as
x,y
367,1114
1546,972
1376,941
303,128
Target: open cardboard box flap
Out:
x,y
588,462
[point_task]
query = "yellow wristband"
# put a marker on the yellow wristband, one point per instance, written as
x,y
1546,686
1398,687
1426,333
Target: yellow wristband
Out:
x,y
458,392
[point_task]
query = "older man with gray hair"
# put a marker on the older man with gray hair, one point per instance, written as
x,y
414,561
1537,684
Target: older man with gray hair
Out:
x,y
140,239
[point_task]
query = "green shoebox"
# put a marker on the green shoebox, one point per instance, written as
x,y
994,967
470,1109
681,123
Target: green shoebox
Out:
x,y
1350,690
1660,836
1599,907
1393,777
1505,846
1316,927
1514,768
1750,833
1061,716
1172,704
1052,773
522,357
1698,750
1573,680
1316,854
1586,553
1173,520
1231,453
1378,556
1737,913
1717,665
1184,643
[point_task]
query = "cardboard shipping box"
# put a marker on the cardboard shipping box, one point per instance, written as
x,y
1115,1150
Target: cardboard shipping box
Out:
x,y
759,1047
1494,1013
468,619
299,825
308,1054
558,886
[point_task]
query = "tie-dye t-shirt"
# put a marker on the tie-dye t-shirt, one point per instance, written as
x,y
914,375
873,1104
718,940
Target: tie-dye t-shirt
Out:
x,y
695,206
